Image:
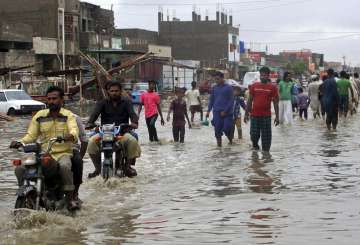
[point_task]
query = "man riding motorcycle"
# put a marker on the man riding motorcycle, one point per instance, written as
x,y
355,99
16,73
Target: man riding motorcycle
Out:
x,y
45,125
115,110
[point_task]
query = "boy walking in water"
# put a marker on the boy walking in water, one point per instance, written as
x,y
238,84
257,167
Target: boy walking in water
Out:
x,y
179,109
193,98
151,102
238,102
303,104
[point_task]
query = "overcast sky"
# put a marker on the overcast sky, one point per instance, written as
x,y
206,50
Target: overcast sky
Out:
x,y
331,27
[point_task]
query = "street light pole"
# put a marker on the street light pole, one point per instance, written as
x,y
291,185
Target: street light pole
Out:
x,y
63,36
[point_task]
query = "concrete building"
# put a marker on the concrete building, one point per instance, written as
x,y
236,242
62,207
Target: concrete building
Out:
x,y
16,45
46,19
136,39
304,55
213,42
96,27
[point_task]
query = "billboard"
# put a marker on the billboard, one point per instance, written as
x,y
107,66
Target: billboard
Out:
x,y
233,52
160,51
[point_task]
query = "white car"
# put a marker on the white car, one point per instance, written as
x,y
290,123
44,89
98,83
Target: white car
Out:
x,y
250,78
13,101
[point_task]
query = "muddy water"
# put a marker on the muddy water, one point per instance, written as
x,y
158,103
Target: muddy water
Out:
x,y
307,192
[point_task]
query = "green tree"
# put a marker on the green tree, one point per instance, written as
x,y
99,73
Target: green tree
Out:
x,y
296,67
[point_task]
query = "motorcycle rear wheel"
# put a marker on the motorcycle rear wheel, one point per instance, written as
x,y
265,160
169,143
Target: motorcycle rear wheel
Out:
x,y
106,173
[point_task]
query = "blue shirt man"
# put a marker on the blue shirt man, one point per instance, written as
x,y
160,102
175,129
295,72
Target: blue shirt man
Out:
x,y
222,105
331,100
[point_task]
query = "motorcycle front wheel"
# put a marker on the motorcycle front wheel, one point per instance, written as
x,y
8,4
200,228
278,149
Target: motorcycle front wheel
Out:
x,y
28,202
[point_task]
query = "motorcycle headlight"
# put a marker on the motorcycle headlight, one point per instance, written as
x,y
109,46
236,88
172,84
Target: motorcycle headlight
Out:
x,y
29,161
108,137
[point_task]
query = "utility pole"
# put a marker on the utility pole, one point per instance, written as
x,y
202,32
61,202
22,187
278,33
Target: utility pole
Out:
x,y
62,10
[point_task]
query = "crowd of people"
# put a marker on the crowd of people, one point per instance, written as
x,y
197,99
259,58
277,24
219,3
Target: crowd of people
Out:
x,y
326,98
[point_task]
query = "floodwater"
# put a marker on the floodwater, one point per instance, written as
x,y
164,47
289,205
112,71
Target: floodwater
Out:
x,y
307,192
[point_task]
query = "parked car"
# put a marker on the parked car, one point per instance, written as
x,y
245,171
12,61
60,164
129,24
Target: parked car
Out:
x,y
13,101
139,88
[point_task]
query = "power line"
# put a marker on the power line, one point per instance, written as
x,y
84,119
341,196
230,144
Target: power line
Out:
x,y
274,6
198,4
302,32
310,40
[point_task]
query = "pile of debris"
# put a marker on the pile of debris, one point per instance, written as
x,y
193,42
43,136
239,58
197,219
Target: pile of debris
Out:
x,y
102,75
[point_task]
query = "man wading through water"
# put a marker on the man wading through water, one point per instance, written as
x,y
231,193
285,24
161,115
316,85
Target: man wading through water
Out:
x,y
151,102
222,104
259,105
285,106
331,100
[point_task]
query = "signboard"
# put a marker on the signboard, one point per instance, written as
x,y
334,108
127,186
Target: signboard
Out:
x,y
234,55
254,56
160,51
43,45
242,47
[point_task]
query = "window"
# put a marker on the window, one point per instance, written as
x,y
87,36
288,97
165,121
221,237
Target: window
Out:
x,y
18,95
84,29
2,97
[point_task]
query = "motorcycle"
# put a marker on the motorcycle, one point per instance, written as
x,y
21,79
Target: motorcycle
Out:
x,y
38,192
113,160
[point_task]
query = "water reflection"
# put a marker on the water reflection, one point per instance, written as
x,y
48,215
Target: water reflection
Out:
x,y
260,181
118,231
329,152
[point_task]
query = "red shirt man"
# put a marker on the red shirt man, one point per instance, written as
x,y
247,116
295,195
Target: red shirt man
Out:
x,y
259,105
263,94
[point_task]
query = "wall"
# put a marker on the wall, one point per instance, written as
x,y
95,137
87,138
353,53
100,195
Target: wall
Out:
x,y
17,58
40,14
194,40
44,18
96,26
136,39
15,32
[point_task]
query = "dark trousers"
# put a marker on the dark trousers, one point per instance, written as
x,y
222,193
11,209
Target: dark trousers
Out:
x,y
179,133
77,168
332,117
303,112
261,127
323,111
150,123
344,104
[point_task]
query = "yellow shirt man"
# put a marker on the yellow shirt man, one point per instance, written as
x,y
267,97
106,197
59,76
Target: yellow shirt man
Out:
x,y
43,127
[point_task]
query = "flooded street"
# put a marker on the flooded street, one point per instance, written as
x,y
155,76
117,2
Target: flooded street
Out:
x,y
308,192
